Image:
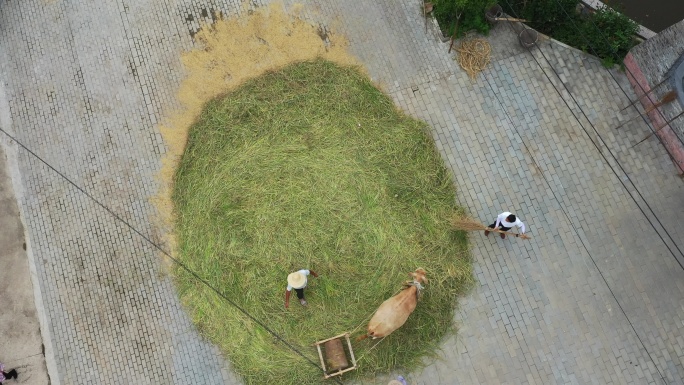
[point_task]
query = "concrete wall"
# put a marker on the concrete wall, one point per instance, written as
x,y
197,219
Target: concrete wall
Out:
x,y
649,67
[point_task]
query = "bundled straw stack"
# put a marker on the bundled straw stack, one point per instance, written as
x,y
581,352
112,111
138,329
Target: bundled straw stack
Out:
x,y
465,223
473,55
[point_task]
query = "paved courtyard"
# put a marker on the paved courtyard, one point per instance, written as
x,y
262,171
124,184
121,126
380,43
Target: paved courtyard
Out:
x,y
597,295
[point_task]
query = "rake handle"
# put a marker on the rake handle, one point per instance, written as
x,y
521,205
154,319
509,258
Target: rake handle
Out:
x,y
523,236
510,19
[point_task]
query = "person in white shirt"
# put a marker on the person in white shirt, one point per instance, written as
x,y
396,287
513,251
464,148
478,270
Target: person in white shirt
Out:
x,y
297,281
504,222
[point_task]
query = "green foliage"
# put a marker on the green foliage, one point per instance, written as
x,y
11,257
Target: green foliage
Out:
x,y
312,167
544,15
609,35
605,33
462,16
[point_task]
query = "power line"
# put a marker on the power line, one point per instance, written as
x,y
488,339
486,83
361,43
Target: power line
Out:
x,y
606,160
617,162
567,216
158,247
647,94
649,221
612,155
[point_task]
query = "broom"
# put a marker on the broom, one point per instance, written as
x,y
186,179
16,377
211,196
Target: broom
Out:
x,y
658,129
645,94
667,98
462,222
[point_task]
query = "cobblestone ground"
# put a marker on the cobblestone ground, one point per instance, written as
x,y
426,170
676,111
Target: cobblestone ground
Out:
x,y
594,297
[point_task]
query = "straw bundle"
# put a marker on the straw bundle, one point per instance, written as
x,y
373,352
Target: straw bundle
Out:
x,y
473,55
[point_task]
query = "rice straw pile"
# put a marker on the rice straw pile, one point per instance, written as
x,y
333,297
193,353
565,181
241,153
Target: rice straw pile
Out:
x,y
473,55
311,166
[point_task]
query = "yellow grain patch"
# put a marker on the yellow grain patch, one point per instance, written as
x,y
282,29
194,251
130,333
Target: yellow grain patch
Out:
x,y
231,51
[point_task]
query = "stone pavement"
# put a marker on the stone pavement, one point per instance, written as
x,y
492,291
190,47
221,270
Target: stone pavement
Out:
x,y
22,345
594,297
85,87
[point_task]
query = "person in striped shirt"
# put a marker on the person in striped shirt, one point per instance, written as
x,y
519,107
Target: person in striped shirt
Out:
x,y
504,222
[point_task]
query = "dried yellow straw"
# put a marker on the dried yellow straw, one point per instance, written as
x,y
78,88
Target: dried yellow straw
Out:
x,y
462,222
473,55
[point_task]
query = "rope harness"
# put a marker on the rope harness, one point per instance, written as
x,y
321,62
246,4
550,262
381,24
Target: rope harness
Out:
x,y
419,287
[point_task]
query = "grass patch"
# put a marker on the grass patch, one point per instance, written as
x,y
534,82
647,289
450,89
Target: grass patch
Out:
x,y
313,167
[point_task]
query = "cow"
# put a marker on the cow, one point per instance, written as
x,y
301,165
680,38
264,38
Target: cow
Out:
x,y
392,314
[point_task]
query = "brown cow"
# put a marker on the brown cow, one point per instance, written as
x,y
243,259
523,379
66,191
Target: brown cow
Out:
x,y
392,314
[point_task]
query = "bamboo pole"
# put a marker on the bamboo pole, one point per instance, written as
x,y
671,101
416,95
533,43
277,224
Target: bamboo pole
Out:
x,y
425,17
453,35
427,8
510,19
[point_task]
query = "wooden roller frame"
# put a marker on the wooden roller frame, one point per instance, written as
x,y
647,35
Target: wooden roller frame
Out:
x,y
320,355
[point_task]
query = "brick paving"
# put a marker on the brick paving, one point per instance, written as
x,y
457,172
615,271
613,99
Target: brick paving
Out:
x,y
594,297
86,84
